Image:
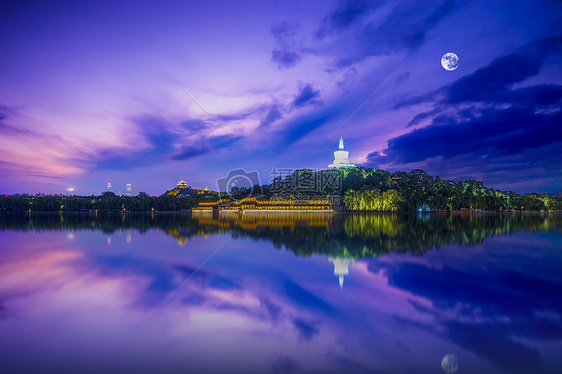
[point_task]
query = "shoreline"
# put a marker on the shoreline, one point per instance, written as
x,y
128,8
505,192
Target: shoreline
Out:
x,y
276,211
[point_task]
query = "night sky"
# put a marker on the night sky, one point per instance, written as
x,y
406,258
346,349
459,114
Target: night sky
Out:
x,y
96,90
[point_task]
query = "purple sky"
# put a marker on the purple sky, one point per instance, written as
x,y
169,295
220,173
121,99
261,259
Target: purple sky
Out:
x,y
85,96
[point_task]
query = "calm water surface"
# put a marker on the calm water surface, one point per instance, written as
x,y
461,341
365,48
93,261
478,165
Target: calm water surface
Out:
x,y
377,293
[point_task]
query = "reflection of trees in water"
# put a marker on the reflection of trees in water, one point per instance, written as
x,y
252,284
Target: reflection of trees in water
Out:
x,y
106,222
352,235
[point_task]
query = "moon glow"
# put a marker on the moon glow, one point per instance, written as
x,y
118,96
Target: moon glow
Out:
x,y
450,61
450,363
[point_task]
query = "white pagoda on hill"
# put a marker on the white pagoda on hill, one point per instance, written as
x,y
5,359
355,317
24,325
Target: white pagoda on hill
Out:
x,y
341,158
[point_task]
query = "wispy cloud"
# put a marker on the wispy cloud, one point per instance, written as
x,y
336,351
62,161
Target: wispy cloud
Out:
x,y
404,27
307,95
347,13
285,54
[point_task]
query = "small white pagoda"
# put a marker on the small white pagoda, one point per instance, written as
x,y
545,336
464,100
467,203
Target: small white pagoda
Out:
x,y
341,158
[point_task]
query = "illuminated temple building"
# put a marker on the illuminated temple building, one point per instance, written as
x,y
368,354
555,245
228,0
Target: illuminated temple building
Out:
x,y
182,189
341,158
257,205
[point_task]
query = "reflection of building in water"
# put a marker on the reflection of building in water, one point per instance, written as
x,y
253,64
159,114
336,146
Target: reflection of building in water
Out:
x,y
129,237
184,235
341,267
257,222
341,158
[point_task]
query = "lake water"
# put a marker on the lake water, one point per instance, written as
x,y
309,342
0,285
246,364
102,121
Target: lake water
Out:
x,y
317,293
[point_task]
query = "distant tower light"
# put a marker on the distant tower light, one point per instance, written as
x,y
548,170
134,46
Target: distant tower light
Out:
x,y
109,184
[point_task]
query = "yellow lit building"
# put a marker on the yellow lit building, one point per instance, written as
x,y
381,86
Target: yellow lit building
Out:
x,y
182,189
254,205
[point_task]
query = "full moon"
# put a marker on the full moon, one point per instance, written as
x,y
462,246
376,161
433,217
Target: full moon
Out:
x,y
450,61
450,363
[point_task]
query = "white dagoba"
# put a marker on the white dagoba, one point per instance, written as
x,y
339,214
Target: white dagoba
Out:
x,y
341,158
341,267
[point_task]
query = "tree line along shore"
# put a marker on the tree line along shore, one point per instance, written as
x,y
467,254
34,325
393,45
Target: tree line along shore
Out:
x,y
360,190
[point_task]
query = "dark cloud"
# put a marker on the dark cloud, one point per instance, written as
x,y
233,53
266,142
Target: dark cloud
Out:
x,y
160,281
307,95
348,78
188,271
486,341
190,151
45,176
303,297
404,28
285,32
272,309
11,130
285,54
284,58
304,126
418,118
195,124
223,141
162,145
306,329
402,78
497,132
273,114
8,111
490,292
344,15
235,116
224,284
298,127
491,82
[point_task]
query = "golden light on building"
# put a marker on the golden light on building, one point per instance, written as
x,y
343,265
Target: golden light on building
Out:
x,y
253,204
